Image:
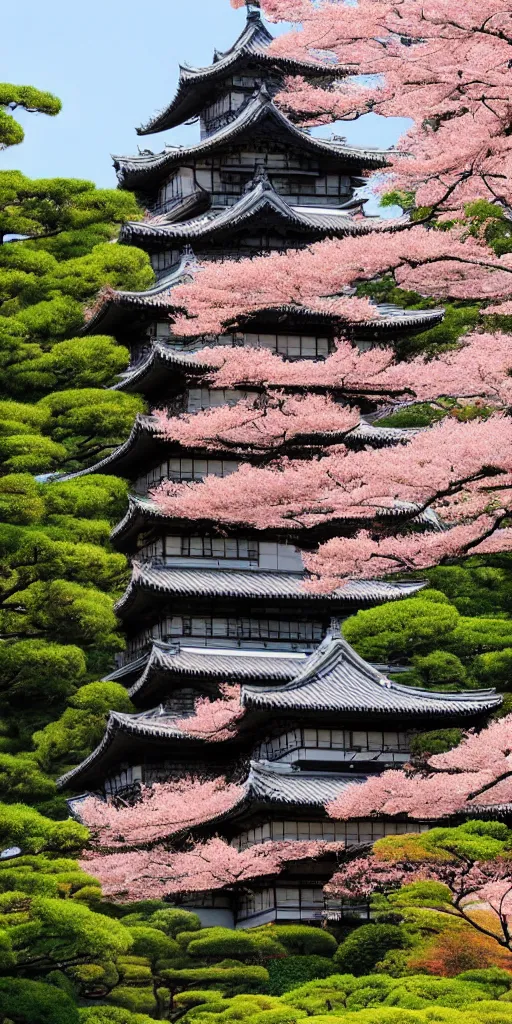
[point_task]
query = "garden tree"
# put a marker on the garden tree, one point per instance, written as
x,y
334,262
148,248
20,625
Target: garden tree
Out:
x,y
34,833
57,253
22,781
43,208
34,1002
25,97
454,467
362,950
34,566
163,809
91,504
474,775
54,536
454,871
36,676
478,586
229,977
59,933
76,362
214,864
69,428
448,71
70,738
456,950
417,626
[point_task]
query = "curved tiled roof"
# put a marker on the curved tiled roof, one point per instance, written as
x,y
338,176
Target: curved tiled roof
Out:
x,y
144,434
142,511
261,199
255,584
158,296
143,724
335,678
222,665
272,784
134,171
195,83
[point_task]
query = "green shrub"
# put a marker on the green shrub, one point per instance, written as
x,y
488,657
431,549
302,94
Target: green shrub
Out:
x,y
494,669
228,1011
303,940
224,977
435,742
284,1015
173,921
152,943
197,997
291,971
359,953
134,973
112,1015
224,942
441,670
33,1002
139,1000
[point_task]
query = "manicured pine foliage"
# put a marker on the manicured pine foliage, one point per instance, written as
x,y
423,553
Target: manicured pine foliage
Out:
x,y
65,949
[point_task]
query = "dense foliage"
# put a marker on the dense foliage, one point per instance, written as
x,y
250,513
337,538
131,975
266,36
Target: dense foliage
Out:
x,y
67,955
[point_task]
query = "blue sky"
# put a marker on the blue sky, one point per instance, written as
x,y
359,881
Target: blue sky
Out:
x,y
113,63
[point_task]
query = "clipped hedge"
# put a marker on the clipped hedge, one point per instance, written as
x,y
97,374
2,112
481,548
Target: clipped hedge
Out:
x,y
364,947
292,971
302,939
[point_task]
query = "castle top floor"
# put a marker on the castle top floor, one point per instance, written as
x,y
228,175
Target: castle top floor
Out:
x,y
214,93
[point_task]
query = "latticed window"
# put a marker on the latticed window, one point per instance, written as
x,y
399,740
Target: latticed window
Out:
x,y
372,740
184,469
219,547
238,628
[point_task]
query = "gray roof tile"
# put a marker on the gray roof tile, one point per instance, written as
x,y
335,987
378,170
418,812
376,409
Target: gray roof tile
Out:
x,y
268,783
335,678
222,665
252,43
260,199
255,584
133,169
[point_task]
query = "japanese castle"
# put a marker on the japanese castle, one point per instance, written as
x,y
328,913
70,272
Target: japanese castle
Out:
x,y
206,606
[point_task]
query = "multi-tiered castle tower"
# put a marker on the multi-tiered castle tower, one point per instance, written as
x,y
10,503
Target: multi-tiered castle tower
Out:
x,y
207,606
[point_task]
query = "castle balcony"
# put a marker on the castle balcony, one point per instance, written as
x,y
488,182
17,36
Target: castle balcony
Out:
x,y
346,747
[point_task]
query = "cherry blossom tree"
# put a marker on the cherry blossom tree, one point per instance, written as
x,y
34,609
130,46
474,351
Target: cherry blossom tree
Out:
x,y
447,69
479,367
475,775
462,872
261,423
215,720
164,809
443,264
461,888
212,865
461,470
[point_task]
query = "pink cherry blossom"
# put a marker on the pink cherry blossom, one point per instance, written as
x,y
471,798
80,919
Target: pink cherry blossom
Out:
x,y
448,70
435,263
449,461
477,773
163,809
207,866
214,719
261,423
